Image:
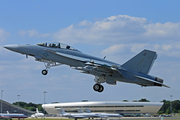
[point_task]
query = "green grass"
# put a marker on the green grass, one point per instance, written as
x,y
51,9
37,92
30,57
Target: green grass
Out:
x,y
51,119
56,118
103,119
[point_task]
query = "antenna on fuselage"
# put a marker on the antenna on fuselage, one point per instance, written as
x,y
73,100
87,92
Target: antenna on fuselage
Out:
x,y
104,57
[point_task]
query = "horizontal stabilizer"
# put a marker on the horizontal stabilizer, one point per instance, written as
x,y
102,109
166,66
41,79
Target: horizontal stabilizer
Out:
x,y
142,62
149,80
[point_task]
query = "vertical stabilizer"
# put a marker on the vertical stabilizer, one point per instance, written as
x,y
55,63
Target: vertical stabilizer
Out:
x,y
142,62
80,110
7,112
61,111
37,110
87,110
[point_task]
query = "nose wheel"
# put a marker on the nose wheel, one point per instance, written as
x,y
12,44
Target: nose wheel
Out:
x,y
98,87
48,64
44,72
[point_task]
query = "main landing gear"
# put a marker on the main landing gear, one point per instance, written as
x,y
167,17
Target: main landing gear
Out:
x,y
98,87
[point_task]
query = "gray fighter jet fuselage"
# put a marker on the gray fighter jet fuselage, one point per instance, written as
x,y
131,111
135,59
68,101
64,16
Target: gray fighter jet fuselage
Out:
x,y
133,71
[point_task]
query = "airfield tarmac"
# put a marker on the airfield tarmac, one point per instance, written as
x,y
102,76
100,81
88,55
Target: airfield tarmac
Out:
x,y
123,118
150,118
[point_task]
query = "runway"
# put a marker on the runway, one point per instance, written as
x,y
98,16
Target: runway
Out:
x,y
122,118
150,118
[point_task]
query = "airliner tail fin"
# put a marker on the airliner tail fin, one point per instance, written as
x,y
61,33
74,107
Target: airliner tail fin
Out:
x,y
61,111
37,110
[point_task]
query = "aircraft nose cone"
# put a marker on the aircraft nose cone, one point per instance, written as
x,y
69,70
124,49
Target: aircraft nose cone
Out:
x,y
12,47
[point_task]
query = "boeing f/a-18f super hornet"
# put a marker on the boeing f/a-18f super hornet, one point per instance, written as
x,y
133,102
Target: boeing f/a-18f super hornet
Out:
x,y
133,71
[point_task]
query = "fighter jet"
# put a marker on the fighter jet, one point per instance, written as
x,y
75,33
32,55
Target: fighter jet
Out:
x,y
134,70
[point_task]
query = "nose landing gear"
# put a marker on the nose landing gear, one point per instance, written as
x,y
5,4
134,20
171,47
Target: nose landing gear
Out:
x,y
44,72
48,64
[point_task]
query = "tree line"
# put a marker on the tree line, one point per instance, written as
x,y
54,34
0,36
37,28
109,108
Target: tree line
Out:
x,y
29,106
164,109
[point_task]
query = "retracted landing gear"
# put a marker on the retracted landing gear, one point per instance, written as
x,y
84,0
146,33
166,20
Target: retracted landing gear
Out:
x,y
98,87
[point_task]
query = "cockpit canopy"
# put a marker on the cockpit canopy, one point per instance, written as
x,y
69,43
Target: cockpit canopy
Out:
x,y
57,45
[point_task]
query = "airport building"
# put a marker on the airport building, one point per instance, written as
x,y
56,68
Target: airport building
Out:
x,y
13,108
106,107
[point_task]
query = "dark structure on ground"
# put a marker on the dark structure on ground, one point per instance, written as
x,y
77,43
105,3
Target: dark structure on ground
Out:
x,y
13,108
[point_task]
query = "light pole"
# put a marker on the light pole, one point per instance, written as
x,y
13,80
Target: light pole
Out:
x,y
171,104
18,102
1,99
44,101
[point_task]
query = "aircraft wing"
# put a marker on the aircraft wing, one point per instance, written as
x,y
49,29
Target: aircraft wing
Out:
x,y
146,79
97,64
105,67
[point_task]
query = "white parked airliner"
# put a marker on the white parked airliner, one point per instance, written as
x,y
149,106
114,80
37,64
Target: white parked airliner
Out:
x,y
12,115
37,114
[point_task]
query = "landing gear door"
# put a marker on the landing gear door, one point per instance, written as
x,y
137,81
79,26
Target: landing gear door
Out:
x,y
111,81
98,79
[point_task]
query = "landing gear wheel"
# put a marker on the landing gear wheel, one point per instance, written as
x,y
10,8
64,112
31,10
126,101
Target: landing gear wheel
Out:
x,y
97,87
101,88
44,72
